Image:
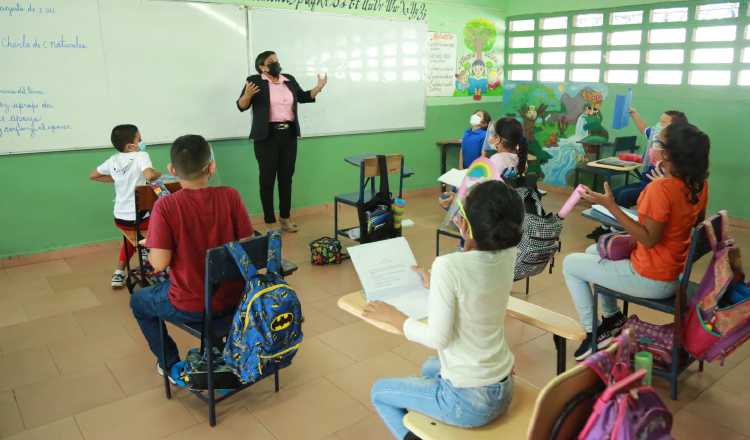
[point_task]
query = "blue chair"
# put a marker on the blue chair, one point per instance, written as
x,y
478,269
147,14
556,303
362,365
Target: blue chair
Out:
x,y
675,305
220,267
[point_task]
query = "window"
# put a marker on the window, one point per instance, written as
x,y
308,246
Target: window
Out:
x,y
710,77
624,57
678,35
621,76
746,55
624,38
552,58
664,77
715,33
587,39
521,75
522,25
665,56
522,58
557,40
717,11
723,55
554,23
669,15
747,32
522,42
584,75
551,75
744,78
587,57
626,17
588,20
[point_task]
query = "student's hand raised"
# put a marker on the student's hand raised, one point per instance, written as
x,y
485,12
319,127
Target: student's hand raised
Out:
x,y
422,274
607,199
380,311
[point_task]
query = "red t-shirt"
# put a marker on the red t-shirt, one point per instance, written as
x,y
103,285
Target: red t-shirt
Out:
x,y
189,222
666,201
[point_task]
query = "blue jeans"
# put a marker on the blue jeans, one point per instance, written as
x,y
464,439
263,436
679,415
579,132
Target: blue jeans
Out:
x,y
151,303
580,269
437,398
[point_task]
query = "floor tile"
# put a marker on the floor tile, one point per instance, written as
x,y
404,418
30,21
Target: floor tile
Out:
x,y
38,333
136,373
148,415
314,360
414,353
65,429
60,302
369,428
361,340
238,425
36,270
76,354
724,409
47,401
687,425
24,367
12,312
10,418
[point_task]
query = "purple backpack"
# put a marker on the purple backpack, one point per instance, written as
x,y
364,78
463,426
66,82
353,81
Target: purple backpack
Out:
x,y
615,246
626,410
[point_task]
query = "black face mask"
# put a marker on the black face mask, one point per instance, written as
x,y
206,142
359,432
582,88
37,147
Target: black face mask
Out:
x,y
274,69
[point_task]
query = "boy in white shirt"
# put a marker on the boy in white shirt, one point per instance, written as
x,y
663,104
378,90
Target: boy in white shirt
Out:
x,y
130,167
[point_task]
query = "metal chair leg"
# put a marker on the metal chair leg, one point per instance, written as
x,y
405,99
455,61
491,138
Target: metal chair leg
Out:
x,y
276,380
437,243
162,337
528,280
625,308
595,324
335,218
560,346
210,376
700,366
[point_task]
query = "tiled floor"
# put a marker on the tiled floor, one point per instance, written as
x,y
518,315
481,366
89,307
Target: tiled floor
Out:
x,y
73,364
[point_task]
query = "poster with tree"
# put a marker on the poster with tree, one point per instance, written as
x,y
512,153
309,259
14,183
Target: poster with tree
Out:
x,y
479,72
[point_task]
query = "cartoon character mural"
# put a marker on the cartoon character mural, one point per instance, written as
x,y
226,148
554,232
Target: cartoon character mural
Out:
x,y
479,71
558,120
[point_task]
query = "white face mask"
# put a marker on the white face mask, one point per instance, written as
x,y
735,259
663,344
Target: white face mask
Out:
x,y
475,120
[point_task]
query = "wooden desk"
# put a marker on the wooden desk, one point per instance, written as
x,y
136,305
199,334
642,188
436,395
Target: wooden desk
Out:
x,y
562,327
630,167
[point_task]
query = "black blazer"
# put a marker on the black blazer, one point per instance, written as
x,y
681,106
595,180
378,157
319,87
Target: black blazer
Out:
x,y
261,105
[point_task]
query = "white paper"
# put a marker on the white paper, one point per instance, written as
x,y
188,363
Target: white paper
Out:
x,y
453,177
601,209
441,63
385,271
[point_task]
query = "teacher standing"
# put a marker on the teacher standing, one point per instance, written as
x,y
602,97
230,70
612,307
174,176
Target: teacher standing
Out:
x,y
275,129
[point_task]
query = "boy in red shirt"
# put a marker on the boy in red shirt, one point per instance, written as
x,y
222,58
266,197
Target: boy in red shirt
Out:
x,y
183,226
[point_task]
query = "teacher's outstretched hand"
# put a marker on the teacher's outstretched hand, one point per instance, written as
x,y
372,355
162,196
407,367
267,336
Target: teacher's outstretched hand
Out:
x,y
273,97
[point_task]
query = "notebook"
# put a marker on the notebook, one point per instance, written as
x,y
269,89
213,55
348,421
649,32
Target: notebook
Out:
x,y
602,210
385,271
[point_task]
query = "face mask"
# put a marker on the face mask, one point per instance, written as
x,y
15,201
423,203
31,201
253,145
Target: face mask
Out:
x,y
475,120
142,146
274,69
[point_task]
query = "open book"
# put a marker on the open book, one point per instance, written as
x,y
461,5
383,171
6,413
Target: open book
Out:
x,y
602,210
385,271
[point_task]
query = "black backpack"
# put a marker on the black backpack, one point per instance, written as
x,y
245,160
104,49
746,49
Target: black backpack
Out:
x,y
376,214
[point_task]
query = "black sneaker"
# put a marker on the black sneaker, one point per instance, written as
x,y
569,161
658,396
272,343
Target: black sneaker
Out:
x,y
612,326
598,232
584,350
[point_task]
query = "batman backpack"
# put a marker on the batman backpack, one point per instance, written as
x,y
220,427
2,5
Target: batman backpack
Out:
x,y
267,327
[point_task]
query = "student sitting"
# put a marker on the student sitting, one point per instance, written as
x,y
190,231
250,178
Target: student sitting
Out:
x,y
183,226
471,143
667,210
130,167
470,384
512,152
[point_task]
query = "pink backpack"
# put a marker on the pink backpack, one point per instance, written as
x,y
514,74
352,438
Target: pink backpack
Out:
x,y
615,246
626,410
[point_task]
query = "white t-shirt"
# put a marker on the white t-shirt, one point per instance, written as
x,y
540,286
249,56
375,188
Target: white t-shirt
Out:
x,y
469,294
126,170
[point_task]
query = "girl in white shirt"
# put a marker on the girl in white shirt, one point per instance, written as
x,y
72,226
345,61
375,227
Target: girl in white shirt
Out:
x,y
470,382
512,152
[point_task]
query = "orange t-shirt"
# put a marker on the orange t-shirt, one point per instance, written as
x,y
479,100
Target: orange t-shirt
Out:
x,y
666,201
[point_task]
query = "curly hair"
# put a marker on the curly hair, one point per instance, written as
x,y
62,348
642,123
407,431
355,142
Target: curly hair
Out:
x,y
687,148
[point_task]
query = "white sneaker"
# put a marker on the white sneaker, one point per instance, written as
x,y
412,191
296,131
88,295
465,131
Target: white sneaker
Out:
x,y
118,278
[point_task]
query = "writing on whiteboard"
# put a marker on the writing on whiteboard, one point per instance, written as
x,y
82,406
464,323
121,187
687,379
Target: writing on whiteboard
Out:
x,y
27,42
16,9
24,113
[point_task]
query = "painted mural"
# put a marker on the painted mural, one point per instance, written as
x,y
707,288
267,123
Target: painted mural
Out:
x,y
479,70
560,121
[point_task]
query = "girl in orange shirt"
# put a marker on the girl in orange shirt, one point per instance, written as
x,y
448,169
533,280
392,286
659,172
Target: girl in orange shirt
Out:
x,y
667,210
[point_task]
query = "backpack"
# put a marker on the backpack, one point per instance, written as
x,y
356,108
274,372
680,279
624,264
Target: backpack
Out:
x,y
654,338
376,215
718,319
266,330
195,374
615,246
626,410
326,250
541,236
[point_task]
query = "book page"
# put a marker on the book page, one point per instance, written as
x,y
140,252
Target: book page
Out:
x,y
453,177
629,212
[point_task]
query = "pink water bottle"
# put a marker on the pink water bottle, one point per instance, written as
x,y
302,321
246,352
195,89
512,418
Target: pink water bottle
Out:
x,y
572,200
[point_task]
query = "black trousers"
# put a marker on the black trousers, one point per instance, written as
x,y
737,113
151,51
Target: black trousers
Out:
x,y
276,156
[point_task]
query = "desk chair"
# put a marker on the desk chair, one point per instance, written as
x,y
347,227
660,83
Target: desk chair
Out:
x,y
145,198
622,144
220,267
368,169
676,305
558,412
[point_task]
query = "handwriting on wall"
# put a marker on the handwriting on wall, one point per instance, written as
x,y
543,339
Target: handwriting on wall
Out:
x,y
25,112
18,9
405,9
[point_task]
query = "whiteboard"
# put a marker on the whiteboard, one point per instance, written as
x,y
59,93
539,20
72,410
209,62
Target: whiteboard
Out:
x,y
375,68
71,70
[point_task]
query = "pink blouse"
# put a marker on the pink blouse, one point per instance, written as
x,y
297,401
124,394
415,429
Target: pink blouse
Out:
x,y
281,100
